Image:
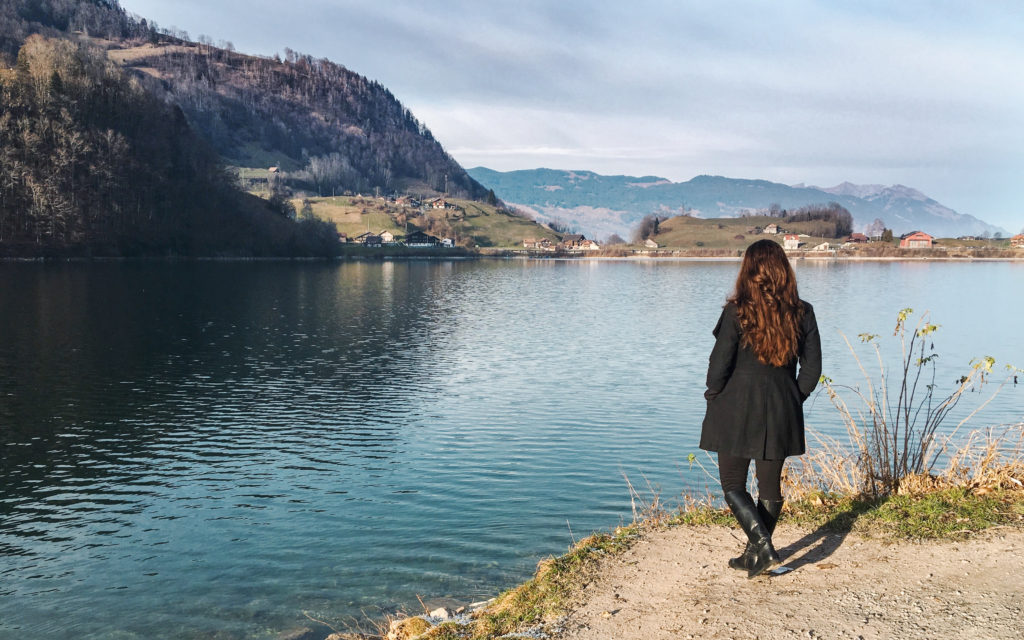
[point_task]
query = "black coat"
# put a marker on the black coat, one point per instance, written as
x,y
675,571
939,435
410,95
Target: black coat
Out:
x,y
755,410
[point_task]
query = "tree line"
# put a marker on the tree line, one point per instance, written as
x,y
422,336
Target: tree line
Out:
x,y
830,220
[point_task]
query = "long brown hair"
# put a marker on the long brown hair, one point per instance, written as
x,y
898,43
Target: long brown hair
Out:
x,y
767,303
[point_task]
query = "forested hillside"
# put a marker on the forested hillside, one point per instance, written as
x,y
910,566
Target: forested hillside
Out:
x,y
55,18
329,128
92,163
116,129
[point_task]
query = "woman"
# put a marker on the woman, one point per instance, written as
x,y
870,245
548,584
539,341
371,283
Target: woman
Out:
x,y
755,395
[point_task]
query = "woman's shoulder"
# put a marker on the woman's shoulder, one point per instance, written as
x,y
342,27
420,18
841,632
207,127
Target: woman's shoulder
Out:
x,y
807,319
727,318
730,311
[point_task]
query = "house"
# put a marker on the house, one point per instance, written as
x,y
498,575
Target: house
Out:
x,y
772,228
371,240
361,238
421,239
447,243
387,237
1017,241
538,243
916,240
441,203
650,244
573,240
824,246
590,245
857,238
342,237
791,241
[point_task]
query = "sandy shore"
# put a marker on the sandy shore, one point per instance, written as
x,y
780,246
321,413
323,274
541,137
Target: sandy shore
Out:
x,y
674,583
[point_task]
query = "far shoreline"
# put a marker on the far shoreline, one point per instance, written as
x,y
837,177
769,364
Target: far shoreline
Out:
x,y
793,258
506,254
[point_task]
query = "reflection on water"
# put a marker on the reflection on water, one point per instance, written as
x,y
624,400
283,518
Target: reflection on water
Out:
x,y
190,450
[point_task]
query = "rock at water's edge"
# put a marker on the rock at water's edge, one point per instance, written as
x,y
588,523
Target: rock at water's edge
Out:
x,y
441,613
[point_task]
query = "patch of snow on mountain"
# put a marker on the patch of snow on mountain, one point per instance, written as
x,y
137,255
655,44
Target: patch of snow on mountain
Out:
x,y
856,190
644,185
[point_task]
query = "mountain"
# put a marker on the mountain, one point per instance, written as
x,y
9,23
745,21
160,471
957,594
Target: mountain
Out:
x,y
600,205
332,127
179,113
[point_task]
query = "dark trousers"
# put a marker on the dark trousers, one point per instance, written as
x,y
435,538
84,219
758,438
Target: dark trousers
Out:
x,y
733,473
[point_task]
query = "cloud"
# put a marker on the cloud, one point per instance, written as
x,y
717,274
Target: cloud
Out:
x,y
799,91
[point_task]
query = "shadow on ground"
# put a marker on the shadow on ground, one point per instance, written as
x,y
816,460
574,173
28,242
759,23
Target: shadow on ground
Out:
x,y
823,541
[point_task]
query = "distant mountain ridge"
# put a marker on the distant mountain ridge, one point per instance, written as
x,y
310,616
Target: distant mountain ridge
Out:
x,y
601,205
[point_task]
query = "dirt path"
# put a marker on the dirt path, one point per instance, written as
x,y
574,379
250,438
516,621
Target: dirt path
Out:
x,y
675,584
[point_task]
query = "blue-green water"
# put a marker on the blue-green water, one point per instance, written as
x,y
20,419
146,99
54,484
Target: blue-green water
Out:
x,y
197,450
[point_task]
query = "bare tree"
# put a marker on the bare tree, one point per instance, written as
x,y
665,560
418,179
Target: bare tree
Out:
x,y
649,226
875,229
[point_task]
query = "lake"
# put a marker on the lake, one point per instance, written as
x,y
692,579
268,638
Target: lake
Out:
x,y
216,449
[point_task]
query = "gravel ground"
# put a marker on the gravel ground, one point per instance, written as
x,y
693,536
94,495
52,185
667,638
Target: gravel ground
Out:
x,y
674,583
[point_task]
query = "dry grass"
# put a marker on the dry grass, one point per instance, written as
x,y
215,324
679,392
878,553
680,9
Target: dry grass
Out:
x,y
895,419
132,54
988,460
895,445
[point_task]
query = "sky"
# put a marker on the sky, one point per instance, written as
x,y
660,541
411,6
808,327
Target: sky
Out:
x,y
924,94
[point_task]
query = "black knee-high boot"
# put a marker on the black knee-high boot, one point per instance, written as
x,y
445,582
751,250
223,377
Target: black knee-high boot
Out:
x,y
746,512
769,510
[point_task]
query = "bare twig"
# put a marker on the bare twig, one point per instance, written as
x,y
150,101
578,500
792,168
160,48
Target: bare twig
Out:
x,y
326,624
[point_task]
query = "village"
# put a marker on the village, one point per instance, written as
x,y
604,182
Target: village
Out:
x,y
725,233
399,222
911,240
791,242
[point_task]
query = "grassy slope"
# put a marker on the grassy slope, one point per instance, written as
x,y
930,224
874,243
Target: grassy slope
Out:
x,y
347,214
493,228
483,223
720,233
